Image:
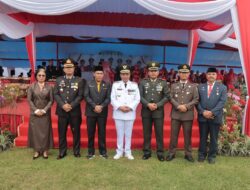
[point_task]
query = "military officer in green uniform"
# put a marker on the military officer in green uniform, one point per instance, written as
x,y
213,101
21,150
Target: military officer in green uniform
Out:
x,y
154,94
184,96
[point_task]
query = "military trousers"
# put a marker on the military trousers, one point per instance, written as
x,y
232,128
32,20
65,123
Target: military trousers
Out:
x,y
75,123
187,133
148,123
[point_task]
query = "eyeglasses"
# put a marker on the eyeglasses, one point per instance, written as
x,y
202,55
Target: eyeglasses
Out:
x,y
41,75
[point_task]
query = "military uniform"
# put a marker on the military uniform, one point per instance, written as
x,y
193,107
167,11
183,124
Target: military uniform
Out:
x,y
182,93
124,94
94,97
69,91
153,91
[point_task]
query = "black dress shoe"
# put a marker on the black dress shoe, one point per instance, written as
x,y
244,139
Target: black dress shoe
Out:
x,y
201,159
105,156
211,160
189,158
59,157
160,158
78,155
170,157
146,156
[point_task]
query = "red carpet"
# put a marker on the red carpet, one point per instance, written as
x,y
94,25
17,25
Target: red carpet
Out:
x,y
137,139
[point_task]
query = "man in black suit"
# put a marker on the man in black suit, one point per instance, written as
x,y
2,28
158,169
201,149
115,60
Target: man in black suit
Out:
x,y
12,72
77,70
1,71
68,94
50,70
97,96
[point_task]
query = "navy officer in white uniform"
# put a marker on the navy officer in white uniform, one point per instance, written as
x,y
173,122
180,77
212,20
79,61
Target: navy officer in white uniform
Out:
x,y
125,97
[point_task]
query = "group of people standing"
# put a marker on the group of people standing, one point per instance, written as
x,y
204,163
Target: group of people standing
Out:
x,y
124,95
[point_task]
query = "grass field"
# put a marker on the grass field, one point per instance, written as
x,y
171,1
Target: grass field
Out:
x,y
19,171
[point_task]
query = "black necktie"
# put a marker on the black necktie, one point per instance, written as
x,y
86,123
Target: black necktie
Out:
x,y
183,85
125,84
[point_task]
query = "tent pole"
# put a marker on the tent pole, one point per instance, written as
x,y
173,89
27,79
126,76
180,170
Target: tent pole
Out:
x,y
57,50
164,55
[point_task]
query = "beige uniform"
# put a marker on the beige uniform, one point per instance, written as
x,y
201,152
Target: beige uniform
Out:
x,y
187,95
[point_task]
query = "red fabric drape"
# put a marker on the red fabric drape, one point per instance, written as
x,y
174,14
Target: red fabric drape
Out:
x,y
30,45
13,121
194,39
112,19
244,23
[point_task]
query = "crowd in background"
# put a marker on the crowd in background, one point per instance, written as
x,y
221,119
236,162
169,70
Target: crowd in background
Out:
x,y
111,72
139,72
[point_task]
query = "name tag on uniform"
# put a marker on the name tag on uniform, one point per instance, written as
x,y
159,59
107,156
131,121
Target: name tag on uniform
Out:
x,y
118,92
146,85
131,92
62,84
74,85
159,88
